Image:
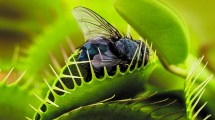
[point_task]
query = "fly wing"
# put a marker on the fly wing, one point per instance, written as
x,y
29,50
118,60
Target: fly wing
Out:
x,y
107,59
93,25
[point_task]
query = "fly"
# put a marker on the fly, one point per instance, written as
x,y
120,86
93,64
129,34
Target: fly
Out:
x,y
105,46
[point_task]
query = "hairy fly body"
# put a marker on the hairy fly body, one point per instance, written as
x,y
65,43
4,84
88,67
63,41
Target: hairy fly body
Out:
x,y
104,46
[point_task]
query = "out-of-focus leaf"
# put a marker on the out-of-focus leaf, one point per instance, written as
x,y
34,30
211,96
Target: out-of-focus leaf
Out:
x,y
194,93
15,99
158,24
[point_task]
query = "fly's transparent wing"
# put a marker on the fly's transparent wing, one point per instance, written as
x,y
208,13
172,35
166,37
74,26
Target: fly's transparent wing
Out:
x,y
93,25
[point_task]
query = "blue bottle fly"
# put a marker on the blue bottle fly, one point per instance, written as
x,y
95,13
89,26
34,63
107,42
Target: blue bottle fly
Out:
x,y
105,46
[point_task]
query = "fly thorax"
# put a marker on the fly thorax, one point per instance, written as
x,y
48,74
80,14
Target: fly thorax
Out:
x,y
95,46
126,48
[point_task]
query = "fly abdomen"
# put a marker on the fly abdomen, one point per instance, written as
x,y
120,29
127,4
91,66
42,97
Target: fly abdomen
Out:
x,y
129,50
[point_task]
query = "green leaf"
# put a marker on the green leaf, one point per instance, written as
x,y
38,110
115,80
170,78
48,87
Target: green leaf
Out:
x,y
147,107
158,24
106,112
37,55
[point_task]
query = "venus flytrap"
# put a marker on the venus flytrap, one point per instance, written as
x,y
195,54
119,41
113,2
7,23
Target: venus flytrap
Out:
x,y
71,91
73,97
158,24
117,109
192,93
170,36
135,109
14,98
163,27
73,88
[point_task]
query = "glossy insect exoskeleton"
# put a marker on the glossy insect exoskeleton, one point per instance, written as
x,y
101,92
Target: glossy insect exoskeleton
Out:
x,y
104,45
